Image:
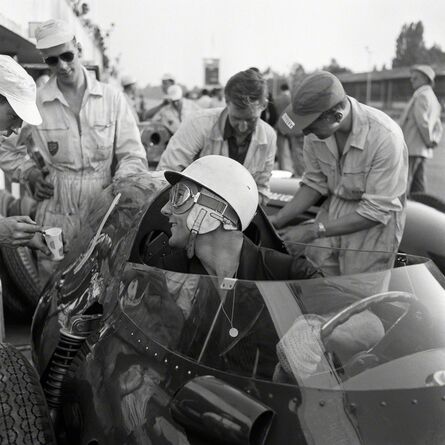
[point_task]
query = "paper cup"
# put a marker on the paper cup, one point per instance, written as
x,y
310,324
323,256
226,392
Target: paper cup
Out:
x,y
53,239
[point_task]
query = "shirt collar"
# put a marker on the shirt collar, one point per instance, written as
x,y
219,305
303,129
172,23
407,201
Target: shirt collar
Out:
x,y
50,91
360,125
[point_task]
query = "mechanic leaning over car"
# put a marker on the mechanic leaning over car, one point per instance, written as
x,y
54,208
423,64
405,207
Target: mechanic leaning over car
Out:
x,y
235,131
87,128
356,157
208,214
18,104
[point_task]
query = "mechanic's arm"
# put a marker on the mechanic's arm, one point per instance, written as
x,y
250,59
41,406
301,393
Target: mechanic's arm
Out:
x,y
149,114
184,146
17,231
262,178
128,149
14,158
422,115
303,199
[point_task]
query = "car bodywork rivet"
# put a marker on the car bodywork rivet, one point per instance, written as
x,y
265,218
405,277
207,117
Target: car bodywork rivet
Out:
x,y
322,403
165,360
139,340
156,354
414,402
189,372
146,348
383,403
176,367
131,333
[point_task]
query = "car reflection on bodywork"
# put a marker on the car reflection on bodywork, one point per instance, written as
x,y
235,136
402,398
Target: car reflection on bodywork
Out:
x,y
129,353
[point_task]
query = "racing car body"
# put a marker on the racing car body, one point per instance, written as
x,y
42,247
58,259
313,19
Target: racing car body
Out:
x,y
130,353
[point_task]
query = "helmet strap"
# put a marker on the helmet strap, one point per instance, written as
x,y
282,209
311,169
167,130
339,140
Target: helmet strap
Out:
x,y
194,231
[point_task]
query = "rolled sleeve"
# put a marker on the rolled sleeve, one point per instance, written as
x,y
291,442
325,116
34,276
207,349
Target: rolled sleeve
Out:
x,y
386,181
313,177
183,147
128,148
14,159
263,179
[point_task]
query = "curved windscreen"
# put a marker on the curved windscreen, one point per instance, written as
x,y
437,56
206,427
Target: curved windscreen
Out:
x,y
366,331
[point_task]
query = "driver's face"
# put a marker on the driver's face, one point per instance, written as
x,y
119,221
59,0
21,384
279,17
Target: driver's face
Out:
x,y
178,226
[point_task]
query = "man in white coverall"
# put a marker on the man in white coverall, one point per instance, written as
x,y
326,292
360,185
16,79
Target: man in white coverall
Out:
x,y
18,104
87,137
421,125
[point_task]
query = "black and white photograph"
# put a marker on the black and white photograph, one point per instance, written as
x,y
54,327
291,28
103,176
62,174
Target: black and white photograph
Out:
x,y
222,222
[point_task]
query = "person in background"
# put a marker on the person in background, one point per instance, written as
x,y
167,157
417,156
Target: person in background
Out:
x,y
356,157
284,156
130,91
88,137
235,131
177,109
421,125
18,105
204,100
217,98
167,81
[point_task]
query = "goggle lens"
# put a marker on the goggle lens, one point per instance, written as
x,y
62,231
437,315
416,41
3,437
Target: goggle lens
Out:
x,y
180,194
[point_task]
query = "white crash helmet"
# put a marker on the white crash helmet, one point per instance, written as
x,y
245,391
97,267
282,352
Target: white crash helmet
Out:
x,y
226,178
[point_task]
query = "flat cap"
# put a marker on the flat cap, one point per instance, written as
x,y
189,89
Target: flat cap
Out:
x,y
316,94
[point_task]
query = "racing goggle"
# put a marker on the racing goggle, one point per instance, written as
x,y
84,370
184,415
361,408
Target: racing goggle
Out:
x,y
184,196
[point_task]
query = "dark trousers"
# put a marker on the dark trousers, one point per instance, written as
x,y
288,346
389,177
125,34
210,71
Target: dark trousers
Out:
x,y
416,175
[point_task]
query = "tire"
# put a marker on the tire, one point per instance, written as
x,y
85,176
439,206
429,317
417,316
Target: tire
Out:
x,y
24,415
430,200
22,268
13,299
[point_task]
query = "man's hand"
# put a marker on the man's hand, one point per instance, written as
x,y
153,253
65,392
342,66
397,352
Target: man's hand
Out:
x,y
303,233
17,231
41,188
274,220
38,243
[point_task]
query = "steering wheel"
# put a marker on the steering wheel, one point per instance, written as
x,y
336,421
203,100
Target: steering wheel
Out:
x,y
379,352
360,306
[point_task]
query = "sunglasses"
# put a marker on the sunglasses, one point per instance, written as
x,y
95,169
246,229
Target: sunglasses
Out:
x,y
54,60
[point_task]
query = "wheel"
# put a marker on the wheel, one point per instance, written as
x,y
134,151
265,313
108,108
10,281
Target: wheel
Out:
x,y
22,268
430,200
24,416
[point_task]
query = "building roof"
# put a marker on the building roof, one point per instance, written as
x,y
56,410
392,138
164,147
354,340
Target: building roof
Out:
x,y
395,73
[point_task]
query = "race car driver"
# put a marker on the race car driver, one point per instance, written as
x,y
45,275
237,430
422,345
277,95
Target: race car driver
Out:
x,y
208,214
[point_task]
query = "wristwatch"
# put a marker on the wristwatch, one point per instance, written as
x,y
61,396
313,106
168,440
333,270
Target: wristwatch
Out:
x,y
320,229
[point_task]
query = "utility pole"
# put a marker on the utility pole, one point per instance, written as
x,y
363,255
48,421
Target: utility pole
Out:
x,y
368,76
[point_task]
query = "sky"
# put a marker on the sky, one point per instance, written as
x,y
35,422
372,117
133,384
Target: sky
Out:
x,y
152,37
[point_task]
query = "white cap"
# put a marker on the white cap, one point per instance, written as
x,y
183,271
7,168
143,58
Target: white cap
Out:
x,y
19,89
426,70
168,76
174,92
127,80
52,33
